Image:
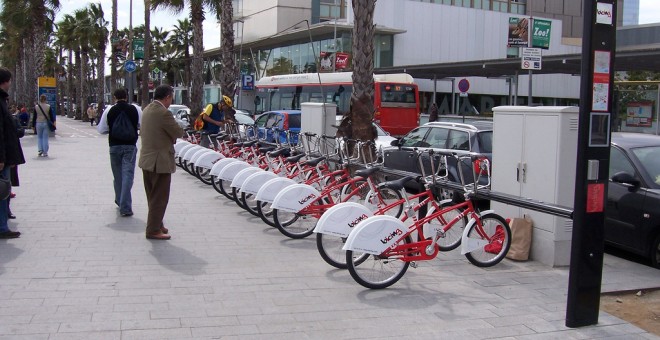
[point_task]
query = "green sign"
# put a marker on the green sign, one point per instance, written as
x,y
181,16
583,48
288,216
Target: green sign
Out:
x,y
541,33
156,70
138,48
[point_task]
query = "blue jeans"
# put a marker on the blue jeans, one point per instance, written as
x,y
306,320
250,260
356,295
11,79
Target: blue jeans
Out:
x,y
42,136
122,161
4,204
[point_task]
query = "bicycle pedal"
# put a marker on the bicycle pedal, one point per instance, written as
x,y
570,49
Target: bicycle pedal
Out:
x,y
413,264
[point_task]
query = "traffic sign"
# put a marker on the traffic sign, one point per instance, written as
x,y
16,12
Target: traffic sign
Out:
x,y
531,59
156,70
463,85
130,66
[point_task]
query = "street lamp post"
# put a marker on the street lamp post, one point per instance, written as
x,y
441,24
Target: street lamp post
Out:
x,y
129,78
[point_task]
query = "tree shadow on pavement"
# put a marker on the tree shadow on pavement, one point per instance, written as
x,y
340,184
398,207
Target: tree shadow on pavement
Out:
x,y
177,259
8,253
398,297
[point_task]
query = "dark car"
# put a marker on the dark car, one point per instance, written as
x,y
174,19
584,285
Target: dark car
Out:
x,y
475,137
632,217
282,120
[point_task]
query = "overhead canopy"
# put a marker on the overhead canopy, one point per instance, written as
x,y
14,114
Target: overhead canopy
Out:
x,y
646,58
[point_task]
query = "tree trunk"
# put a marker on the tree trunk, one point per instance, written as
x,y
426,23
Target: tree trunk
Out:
x,y
362,103
113,64
197,18
228,73
79,83
146,69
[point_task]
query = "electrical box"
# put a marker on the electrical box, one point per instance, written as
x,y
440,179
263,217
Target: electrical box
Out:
x,y
534,156
318,118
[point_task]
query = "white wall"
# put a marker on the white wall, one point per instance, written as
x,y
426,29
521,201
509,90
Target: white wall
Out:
x,y
264,18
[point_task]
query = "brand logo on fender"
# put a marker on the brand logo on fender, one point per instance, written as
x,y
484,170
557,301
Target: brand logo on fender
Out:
x,y
394,234
358,220
309,197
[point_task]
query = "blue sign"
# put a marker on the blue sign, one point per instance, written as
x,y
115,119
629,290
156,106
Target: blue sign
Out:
x,y
463,85
130,66
247,82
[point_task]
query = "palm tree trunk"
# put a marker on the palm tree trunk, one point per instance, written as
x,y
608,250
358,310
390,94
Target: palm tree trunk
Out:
x,y
228,73
79,88
197,18
69,86
146,69
84,85
100,88
113,67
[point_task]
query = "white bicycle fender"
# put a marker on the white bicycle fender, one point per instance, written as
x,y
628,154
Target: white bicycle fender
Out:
x,y
221,164
295,197
469,245
191,152
271,188
375,234
255,181
228,173
185,149
207,160
195,158
340,219
179,146
240,177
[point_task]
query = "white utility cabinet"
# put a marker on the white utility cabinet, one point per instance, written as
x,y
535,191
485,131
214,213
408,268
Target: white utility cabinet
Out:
x,y
318,118
534,156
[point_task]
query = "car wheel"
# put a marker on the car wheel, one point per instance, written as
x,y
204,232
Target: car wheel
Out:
x,y
655,252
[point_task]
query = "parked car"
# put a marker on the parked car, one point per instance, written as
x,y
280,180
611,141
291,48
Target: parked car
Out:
x,y
283,120
383,138
476,137
181,112
632,216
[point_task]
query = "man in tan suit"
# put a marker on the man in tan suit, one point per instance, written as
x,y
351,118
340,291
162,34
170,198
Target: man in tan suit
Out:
x,y
158,132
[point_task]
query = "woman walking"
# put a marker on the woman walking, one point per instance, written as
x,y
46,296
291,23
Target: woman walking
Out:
x,y
42,120
91,114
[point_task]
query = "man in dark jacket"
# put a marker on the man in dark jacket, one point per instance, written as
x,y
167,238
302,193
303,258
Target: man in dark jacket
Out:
x,y
11,153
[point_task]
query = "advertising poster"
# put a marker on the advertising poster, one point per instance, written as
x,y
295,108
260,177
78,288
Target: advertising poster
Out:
x,y
639,114
518,32
334,61
48,86
541,33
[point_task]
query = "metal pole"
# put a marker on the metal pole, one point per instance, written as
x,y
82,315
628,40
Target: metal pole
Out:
x,y
453,96
435,87
657,111
240,64
515,93
529,91
334,43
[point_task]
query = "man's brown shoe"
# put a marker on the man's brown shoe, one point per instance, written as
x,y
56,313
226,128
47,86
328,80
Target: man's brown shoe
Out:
x,y
159,236
164,230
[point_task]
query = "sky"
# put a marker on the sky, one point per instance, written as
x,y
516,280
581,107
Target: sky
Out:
x,y
649,13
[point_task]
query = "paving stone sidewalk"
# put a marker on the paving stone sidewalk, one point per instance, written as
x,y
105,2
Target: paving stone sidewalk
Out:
x,y
81,271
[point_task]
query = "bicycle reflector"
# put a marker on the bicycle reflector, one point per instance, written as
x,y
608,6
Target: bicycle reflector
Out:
x,y
285,124
481,166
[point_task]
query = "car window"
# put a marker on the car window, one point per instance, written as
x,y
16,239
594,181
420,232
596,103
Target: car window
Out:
x,y
437,138
650,159
294,121
458,140
619,162
261,121
415,138
485,141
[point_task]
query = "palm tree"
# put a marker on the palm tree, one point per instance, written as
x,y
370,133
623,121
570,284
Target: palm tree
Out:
x,y
100,37
362,103
113,58
66,35
42,13
146,70
83,32
196,8
180,40
229,72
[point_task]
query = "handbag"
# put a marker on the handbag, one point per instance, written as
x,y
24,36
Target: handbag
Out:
x,y
51,125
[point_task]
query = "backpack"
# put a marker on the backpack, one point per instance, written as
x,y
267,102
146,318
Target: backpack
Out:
x,y
123,129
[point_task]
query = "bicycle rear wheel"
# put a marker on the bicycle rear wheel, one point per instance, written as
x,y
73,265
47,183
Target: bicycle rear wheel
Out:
x,y
295,225
265,211
204,175
496,231
250,203
330,249
384,197
377,271
452,236
237,197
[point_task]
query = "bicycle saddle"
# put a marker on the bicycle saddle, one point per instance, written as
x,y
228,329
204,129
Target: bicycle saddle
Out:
x,y
237,145
250,143
396,184
296,158
279,152
266,149
366,172
314,162
213,135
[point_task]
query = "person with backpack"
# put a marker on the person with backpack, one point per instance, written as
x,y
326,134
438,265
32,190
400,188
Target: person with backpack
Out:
x,y
121,122
43,122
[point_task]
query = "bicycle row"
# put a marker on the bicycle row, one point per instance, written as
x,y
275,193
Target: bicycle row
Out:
x,y
369,227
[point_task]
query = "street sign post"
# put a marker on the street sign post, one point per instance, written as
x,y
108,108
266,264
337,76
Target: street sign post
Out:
x,y
531,59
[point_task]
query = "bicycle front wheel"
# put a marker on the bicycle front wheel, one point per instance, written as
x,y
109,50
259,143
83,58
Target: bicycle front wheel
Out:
x,y
377,271
493,229
383,197
451,238
295,225
330,249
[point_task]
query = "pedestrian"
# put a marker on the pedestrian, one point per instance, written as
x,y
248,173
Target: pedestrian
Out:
x,y
43,122
121,123
91,114
215,117
159,132
24,117
433,113
11,153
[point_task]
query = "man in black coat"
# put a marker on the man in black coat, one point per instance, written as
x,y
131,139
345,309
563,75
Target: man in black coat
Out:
x,y
11,153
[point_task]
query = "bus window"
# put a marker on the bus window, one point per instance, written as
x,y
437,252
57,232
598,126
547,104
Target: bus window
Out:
x,y
391,93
